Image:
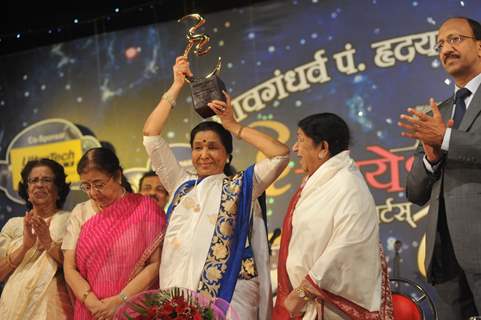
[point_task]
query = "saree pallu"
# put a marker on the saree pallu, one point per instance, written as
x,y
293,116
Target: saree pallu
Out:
x,y
346,307
115,244
227,253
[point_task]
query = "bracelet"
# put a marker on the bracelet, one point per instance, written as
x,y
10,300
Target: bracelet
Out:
x,y
238,134
123,297
85,295
10,262
303,294
169,99
50,245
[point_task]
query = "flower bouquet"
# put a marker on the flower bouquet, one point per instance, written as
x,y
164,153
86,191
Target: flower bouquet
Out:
x,y
174,303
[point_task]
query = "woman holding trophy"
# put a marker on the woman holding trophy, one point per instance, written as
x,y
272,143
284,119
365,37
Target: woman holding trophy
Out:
x,y
215,243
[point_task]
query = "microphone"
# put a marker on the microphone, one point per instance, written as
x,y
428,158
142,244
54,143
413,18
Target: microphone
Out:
x,y
275,234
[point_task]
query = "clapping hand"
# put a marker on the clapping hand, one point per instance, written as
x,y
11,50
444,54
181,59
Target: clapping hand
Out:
x,y
29,237
42,231
428,129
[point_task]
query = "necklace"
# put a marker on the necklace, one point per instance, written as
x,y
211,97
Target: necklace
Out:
x,y
191,202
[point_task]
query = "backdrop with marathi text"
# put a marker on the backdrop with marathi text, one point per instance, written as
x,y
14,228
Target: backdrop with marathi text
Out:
x,y
366,60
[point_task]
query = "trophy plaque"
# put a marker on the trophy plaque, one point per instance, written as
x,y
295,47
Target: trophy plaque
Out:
x,y
210,87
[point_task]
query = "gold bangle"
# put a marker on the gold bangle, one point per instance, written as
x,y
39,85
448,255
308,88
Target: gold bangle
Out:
x,y
238,134
85,295
169,99
50,245
10,262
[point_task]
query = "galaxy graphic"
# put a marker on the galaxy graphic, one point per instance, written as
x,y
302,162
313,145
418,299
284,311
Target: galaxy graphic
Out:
x,y
366,60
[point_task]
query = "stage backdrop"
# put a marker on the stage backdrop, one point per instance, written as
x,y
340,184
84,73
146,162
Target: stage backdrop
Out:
x,y
366,60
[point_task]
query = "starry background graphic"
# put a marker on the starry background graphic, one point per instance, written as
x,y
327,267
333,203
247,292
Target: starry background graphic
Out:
x,y
109,83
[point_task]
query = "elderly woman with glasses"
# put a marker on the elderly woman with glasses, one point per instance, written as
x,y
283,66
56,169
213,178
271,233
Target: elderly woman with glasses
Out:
x,y
113,241
30,255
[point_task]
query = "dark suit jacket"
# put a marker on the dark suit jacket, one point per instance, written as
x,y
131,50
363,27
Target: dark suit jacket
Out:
x,y
459,179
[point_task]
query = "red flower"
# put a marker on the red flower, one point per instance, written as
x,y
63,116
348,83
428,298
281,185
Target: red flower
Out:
x,y
153,311
167,311
197,316
173,304
180,304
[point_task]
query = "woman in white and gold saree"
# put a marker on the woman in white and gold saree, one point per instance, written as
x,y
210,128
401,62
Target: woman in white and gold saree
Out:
x,y
215,243
30,255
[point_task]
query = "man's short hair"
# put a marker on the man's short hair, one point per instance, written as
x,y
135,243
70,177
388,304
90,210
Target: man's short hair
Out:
x,y
475,26
145,175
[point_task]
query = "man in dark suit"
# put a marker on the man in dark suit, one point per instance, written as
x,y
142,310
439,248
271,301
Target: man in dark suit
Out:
x,y
447,172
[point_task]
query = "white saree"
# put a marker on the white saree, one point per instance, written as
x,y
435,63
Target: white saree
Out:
x,y
190,230
335,237
35,290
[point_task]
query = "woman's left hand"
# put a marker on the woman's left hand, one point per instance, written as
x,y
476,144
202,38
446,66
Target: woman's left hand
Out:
x,y
294,304
42,231
109,306
223,110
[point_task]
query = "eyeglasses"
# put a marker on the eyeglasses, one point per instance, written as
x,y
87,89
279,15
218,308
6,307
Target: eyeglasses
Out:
x,y
453,40
97,186
40,180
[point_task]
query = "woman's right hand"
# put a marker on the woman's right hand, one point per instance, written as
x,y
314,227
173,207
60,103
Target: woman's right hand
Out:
x,y
29,238
156,120
94,305
42,232
181,70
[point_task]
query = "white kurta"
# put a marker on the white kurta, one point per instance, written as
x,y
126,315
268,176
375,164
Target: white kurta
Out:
x,y
335,237
80,214
189,233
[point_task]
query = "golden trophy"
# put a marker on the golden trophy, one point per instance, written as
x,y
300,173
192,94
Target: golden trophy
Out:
x,y
209,88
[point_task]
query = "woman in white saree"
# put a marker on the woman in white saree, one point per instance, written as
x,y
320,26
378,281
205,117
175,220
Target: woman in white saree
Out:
x,y
215,242
30,255
330,262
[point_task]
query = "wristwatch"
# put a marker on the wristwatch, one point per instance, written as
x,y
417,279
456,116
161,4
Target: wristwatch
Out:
x,y
123,297
301,293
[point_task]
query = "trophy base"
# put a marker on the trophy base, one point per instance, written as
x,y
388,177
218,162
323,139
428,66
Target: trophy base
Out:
x,y
204,91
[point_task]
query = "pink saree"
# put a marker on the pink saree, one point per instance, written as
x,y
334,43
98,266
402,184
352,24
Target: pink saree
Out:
x,y
115,244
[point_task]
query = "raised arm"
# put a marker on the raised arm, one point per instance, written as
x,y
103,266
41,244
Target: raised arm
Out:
x,y
269,146
162,159
156,121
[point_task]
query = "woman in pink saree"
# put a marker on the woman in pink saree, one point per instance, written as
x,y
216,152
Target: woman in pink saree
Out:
x,y
113,241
